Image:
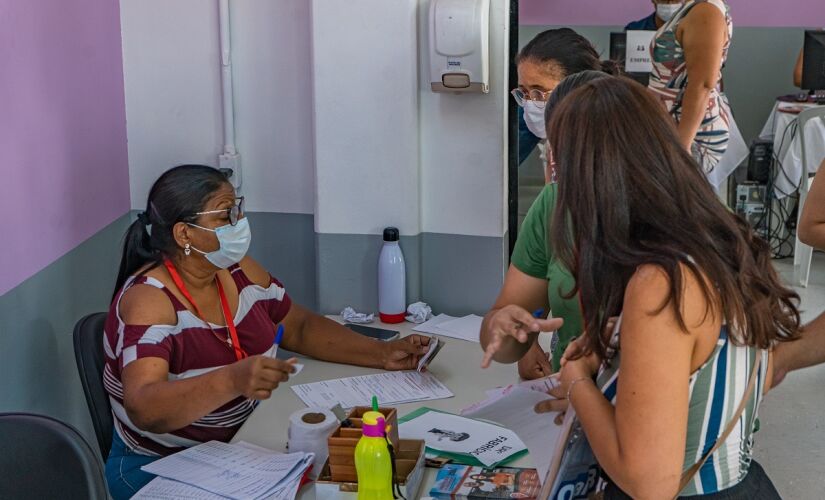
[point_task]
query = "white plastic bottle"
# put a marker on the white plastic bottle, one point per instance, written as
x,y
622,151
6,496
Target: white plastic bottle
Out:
x,y
392,281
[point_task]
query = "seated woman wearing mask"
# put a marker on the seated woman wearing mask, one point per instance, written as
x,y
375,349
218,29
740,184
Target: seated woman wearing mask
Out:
x,y
536,280
545,61
668,400
192,325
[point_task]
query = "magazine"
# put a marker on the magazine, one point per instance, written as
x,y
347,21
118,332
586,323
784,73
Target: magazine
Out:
x,y
463,482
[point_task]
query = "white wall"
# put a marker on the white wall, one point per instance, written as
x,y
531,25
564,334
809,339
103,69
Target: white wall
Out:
x,y
366,116
436,165
464,142
334,113
173,112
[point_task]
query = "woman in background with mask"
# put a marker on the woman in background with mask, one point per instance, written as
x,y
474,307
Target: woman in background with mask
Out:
x,y
545,61
191,328
663,12
536,279
688,52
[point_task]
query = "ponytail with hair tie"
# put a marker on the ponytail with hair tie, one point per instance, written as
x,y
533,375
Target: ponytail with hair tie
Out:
x,y
177,195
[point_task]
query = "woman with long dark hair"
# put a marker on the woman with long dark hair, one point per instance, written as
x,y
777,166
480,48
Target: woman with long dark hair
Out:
x,y
190,333
681,378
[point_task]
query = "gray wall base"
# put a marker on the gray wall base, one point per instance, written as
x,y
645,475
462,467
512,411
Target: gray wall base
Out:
x,y
455,274
37,363
285,245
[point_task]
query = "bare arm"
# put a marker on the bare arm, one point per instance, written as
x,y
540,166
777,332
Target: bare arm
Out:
x,y
808,351
702,35
812,221
641,443
321,338
797,70
156,404
520,293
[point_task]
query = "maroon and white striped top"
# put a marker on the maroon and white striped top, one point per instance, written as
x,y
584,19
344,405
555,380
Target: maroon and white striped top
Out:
x,y
191,349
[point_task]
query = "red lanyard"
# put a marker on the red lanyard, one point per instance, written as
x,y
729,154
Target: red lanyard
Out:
x,y
227,313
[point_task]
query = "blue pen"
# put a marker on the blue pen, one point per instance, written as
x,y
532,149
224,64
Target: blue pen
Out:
x,y
538,313
278,337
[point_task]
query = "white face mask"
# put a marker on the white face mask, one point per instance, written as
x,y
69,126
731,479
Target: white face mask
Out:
x,y
234,243
534,118
666,11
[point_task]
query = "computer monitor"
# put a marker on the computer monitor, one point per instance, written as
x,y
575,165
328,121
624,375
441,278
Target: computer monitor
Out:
x,y
618,46
618,53
813,66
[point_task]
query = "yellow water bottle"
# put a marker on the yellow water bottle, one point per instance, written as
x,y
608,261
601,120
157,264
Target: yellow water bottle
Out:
x,y
372,459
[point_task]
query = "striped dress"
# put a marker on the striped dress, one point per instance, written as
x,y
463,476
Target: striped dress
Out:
x,y
716,390
191,349
669,79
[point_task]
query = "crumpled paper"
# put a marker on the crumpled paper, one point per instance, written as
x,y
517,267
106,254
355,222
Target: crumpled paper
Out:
x,y
350,315
419,312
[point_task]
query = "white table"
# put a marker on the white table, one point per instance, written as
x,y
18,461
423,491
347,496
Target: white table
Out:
x,y
457,366
789,151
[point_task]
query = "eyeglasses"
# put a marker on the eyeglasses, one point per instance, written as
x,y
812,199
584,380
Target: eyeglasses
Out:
x,y
235,211
535,95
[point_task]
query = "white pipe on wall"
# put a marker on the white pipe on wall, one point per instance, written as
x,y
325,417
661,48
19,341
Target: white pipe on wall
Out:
x,y
229,159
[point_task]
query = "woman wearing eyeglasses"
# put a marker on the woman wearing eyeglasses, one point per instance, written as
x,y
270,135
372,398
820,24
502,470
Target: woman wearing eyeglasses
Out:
x,y
536,280
190,332
545,61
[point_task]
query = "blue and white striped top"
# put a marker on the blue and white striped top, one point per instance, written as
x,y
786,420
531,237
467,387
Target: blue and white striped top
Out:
x,y
716,390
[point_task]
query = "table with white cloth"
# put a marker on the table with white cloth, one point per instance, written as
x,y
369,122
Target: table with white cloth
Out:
x,y
458,366
782,130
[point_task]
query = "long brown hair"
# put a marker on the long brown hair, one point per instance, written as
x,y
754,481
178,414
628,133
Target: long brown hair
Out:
x,y
629,194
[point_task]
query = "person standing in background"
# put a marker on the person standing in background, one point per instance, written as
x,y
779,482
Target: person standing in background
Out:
x,y
688,52
662,13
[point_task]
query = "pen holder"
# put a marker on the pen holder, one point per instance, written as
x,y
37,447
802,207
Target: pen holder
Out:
x,y
409,467
343,441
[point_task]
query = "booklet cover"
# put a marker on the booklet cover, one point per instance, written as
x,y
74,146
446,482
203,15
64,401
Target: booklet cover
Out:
x,y
462,482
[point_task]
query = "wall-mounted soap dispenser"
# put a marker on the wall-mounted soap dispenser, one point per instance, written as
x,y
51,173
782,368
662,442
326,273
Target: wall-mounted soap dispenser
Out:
x,y
460,45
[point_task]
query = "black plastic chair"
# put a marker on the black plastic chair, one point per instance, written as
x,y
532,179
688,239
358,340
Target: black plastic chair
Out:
x,y
88,352
41,457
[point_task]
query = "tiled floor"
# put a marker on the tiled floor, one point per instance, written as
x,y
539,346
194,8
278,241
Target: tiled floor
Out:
x,y
791,443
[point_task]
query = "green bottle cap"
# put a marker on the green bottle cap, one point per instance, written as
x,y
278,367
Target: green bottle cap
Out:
x,y
374,403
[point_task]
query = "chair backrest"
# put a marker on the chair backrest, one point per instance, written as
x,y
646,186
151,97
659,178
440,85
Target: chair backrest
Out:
x,y
41,457
803,119
88,352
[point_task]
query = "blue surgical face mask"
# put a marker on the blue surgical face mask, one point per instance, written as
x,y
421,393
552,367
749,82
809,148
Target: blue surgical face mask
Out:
x,y
234,243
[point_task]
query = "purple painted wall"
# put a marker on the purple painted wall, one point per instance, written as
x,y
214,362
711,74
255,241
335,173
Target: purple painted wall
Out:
x,y
769,13
62,129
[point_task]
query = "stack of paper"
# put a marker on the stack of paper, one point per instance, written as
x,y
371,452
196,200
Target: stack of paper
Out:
x,y
466,328
390,388
513,408
220,470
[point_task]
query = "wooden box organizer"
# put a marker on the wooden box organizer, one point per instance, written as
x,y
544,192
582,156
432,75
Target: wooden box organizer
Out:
x,y
409,467
342,442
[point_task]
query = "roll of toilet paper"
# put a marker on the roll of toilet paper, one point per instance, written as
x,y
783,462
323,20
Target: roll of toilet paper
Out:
x,y
308,432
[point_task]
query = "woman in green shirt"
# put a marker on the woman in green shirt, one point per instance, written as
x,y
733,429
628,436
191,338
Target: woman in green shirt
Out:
x,y
536,280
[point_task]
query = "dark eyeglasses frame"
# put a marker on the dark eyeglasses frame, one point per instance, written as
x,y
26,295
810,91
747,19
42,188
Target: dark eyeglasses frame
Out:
x,y
235,211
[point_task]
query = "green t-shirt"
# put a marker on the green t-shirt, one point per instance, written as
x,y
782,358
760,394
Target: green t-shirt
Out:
x,y
533,256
